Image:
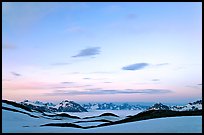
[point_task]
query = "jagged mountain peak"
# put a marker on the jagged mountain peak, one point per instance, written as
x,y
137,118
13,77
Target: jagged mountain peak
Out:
x,y
159,106
196,102
159,103
69,101
69,106
39,102
26,100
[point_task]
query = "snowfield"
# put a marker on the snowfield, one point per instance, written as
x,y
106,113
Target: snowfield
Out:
x,y
15,122
184,124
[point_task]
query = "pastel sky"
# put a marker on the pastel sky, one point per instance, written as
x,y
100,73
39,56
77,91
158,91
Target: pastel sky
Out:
x,y
102,52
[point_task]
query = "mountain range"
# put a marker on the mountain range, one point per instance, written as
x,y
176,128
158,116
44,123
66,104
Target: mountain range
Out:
x,y
64,106
197,105
71,106
112,106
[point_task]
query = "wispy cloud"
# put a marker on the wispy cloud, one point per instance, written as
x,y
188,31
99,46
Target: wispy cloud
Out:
x,y
139,66
86,78
162,64
67,82
103,91
193,86
196,86
155,80
15,74
91,51
72,86
59,87
136,66
107,82
74,73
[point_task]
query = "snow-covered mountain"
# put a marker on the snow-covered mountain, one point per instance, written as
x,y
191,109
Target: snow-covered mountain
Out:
x,y
197,105
69,106
112,106
64,106
159,106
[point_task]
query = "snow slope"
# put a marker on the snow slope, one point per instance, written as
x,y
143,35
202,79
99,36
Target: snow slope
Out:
x,y
184,124
13,122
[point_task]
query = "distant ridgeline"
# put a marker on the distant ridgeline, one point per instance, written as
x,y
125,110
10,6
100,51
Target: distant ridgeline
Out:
x,y
71,106
112,106
189,107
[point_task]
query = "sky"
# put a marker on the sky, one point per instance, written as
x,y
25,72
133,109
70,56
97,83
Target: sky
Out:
x,y
102,52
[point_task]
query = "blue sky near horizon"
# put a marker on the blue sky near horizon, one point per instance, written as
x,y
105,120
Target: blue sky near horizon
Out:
x,y
102,51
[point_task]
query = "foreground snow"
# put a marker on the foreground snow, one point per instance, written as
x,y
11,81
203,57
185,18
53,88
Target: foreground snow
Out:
x,y
16,122
184,124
